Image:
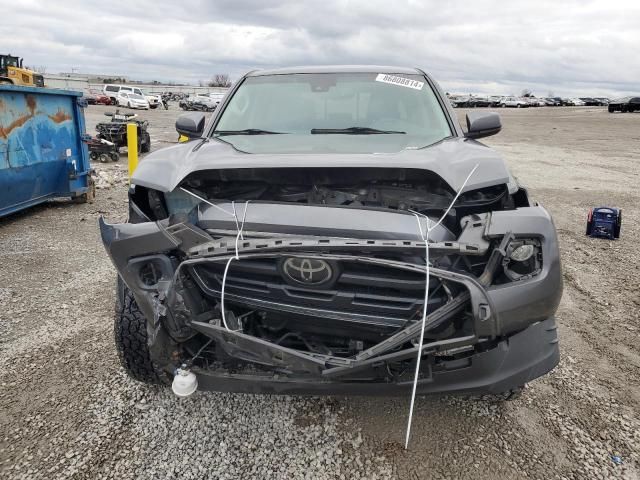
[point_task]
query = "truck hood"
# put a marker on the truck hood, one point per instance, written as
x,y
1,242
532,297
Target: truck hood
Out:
x,y
452,159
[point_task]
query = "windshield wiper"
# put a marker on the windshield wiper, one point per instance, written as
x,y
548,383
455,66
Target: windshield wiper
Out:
x,y
353,131
247,131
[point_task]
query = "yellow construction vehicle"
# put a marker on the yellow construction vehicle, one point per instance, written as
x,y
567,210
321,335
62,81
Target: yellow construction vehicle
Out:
x,y
12,71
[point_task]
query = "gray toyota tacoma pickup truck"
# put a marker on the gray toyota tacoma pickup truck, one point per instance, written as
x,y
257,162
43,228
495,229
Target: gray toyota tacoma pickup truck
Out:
x,y
281,249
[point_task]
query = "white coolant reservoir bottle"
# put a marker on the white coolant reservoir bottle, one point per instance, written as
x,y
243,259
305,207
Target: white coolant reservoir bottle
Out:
x,y
185,382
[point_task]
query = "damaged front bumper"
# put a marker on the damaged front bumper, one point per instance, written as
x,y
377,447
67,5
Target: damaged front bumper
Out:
x,y
511,363
510,337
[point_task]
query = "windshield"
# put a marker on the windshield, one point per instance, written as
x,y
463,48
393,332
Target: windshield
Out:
x,y
316,108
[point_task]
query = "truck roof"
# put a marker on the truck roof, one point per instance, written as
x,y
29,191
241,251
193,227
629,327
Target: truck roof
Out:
x,y
336,69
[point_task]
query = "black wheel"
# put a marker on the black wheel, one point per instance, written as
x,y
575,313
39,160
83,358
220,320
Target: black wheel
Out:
x,y
611,109
145,147
104,158
115,156
618,226
589,222
130,331
93,156
504,105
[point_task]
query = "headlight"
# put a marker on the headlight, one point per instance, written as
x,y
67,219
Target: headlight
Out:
x,y
523,259
522,253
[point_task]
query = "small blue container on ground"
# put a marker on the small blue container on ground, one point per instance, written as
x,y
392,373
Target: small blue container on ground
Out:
x,y
604,222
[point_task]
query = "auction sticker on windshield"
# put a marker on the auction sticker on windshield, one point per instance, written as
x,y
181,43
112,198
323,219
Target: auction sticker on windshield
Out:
x,y
401,81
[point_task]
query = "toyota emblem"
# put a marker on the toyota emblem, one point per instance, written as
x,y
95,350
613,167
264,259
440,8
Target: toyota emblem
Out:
x,y
307,271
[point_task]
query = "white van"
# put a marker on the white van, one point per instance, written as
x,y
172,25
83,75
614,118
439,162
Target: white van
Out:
x,y
112,92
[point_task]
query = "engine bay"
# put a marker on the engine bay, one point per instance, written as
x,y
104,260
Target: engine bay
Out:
x,y
367,188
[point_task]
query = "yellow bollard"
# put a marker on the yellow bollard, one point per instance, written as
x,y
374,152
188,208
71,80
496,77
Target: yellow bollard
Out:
x,y
132,147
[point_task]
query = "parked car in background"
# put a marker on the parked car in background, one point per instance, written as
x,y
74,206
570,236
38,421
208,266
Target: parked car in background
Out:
x,y
575,102
515,102
625,104
200,102
604,101
590,102
89,97
100,98
553,102
459,101
176,96
495,100
132,100
112,92
217,97
535,102
155,100
479,102
95,97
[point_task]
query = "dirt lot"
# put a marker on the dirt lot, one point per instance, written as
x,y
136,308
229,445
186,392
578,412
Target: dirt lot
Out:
x,y
68,411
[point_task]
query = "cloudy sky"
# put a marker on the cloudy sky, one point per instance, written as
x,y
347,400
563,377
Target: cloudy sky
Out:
x,y
484,46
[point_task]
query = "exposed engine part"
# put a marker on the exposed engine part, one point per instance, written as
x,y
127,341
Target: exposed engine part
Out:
x,y
522,260
395,195
387,188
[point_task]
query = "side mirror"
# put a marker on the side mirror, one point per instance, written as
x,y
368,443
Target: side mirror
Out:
x,y
482,124
190,125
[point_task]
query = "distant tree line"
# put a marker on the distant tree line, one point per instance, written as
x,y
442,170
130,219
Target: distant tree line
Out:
x,y
218,80
114,80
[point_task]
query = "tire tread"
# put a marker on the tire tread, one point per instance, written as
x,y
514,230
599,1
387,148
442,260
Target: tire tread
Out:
x,y
130,332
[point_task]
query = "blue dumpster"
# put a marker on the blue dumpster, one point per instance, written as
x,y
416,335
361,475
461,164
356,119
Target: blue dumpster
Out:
x,y
42,153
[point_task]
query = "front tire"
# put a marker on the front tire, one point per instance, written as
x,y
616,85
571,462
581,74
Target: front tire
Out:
x,y
130,332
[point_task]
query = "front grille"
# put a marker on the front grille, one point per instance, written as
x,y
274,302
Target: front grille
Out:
x,y
361,289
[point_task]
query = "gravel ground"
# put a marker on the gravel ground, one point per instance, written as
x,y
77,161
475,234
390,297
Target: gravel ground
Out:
x,y
68,411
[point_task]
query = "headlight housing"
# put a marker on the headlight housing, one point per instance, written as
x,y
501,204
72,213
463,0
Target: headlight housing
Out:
x,y
523,259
